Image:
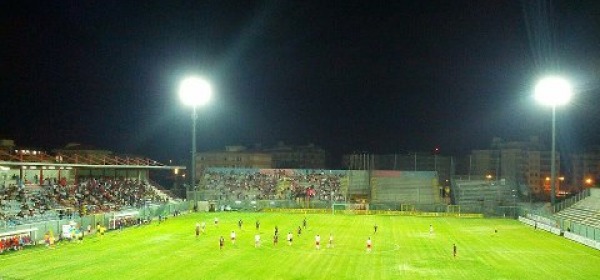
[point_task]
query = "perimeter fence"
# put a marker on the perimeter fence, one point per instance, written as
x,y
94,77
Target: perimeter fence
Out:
x,y
147,213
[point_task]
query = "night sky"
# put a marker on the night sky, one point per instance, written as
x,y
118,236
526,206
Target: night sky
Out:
x,y
374,76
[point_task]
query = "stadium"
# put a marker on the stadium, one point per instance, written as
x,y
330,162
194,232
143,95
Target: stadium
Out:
x,y
329,140
104,219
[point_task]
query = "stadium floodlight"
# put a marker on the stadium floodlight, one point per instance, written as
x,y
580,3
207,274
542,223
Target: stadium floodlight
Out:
x,y
553,91
194,91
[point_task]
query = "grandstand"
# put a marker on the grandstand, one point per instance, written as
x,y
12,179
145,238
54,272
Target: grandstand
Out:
x,y
33,203
585,212
483,196
38,187
305,188
404,187
271,184
357,185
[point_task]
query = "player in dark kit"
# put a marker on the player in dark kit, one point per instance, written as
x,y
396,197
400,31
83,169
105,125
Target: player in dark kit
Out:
x,y
375,228
240,223
221,242
197,229
318,242
275,239
454,250
304,223
257,224
299,230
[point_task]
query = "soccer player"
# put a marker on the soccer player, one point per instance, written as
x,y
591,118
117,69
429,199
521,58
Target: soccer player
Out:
x,y
375,228
330,245
240,222
430,229
318,242
257,240
369,245
299,230
203,226
257,224
454,250
289,238
232,237
275,239
304,223
197,230
276,230
221,242
47,238
80,236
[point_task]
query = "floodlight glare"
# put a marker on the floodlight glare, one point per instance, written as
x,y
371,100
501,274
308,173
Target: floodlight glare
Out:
x,y
194,91
553,91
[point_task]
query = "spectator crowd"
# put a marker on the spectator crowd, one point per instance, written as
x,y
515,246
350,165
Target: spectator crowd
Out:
x,y
88,196
273,185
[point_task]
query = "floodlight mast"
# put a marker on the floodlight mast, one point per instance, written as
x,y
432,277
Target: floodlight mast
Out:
x,y
194,91
553,91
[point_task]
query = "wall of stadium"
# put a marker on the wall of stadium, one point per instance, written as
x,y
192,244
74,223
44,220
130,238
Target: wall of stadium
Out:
x,y
377,186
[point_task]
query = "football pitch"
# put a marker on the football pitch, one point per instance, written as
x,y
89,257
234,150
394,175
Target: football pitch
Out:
x,y
403,248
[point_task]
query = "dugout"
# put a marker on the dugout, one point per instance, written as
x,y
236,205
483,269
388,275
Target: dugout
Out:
x,y
207,206
31,232
126,215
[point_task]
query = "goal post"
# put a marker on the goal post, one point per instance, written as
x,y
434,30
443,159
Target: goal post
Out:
x,y
337,207
453,210
407,207
348,208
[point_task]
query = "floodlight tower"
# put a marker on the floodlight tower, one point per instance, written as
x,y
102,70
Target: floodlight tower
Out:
x,y
553,91
194,91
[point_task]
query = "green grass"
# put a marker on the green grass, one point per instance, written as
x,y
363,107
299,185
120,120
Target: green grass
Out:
x,y
403,249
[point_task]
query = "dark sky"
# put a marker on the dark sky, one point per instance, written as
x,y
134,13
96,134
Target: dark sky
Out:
x,y
377,76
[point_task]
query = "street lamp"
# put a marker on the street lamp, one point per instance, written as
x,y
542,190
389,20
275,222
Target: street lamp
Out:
x,y
194,91
589,181
553,91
